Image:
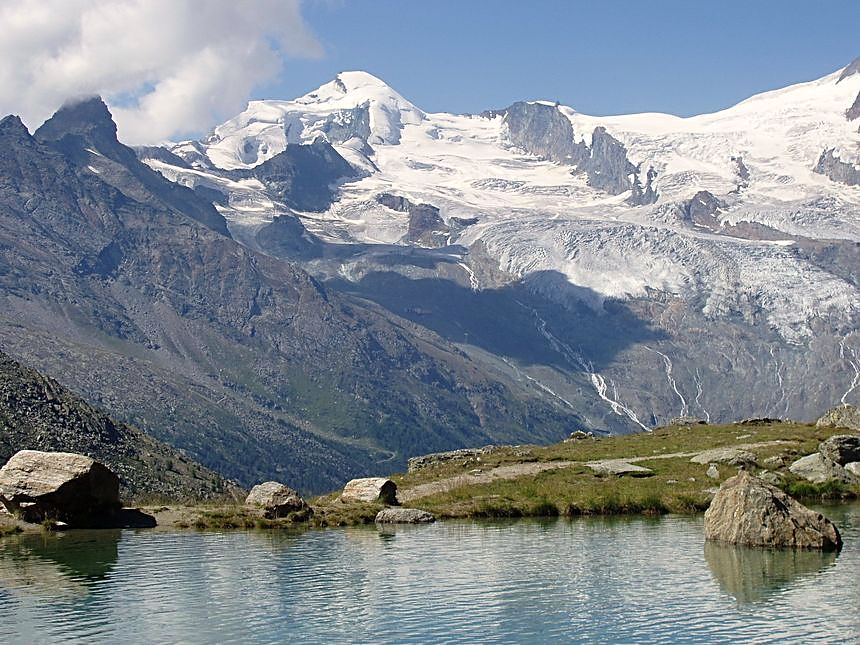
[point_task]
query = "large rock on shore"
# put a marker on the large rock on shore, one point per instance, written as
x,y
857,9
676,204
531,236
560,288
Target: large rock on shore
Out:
x,y
841,448
819,469
276,499
61,486
370,489
750,512
404,516
842,416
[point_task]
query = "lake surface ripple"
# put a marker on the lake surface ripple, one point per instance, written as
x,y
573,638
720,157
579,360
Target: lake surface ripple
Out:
x,y
583,580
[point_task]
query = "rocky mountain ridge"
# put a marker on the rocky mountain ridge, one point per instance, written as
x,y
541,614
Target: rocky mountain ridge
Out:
x,y
128,288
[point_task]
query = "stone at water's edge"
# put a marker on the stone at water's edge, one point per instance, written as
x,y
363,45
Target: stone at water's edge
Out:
x,y
370,489
819,469
57,485
842,416
841,448
750,512
404,516
276,499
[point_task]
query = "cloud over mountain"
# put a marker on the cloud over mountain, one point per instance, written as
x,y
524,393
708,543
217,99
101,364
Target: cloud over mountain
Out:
x,y
167,67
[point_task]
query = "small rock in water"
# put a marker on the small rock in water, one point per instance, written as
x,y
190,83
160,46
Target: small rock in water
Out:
x,y
751,512
404,516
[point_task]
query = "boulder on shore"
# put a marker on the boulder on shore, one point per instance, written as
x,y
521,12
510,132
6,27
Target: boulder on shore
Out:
x,y
370,489
404,516
62,486
842,416
841,448
819,469
751,512
276,499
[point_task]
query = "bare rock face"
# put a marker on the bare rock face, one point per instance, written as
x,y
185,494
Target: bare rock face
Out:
x,y
841,448
370,489
842,416
751,512
276,499
819,469
404,516
57,485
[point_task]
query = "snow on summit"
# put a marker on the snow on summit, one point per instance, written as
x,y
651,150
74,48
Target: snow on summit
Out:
x,y
774,169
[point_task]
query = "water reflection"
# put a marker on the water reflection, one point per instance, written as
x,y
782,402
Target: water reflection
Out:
x,y
62,564
752,575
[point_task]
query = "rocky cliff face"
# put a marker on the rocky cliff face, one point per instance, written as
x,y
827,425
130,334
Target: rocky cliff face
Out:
x,y
543,130
833,167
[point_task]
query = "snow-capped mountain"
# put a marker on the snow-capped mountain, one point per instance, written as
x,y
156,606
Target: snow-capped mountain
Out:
x,y
703,266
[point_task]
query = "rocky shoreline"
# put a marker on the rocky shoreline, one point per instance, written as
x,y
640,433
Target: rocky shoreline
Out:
x,y
678,468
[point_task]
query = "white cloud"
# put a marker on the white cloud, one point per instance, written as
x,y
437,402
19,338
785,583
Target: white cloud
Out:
x,y
165,67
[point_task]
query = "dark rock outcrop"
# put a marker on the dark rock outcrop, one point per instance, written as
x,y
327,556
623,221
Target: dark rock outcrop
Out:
x,y
837,170
275,499
302,176
370,489
842,448
751,512
426,226
542,130
62,486
404,516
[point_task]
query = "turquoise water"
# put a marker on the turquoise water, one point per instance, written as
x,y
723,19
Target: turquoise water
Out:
x,y
583,580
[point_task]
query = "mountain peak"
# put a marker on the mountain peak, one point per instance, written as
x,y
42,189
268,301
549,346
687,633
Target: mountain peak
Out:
x,y
12,125
354,88
88,117
853,68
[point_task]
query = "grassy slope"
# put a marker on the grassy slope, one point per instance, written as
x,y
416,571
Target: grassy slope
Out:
x,y
676,486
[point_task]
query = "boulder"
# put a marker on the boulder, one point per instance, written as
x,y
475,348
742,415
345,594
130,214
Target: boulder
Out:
x,y
687,421
853,468
842,416
276,499
713,472
751,512
619,467
841,448
404,516
819,469
60,486
729,456
370,489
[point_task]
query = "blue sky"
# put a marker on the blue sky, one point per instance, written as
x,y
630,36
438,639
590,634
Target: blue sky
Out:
x,y
599,57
